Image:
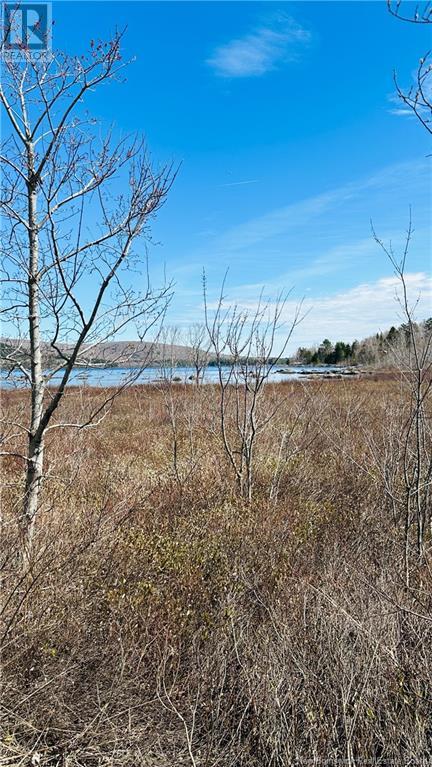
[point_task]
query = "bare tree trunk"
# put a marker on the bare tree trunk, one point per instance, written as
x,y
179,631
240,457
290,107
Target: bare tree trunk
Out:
x,y
34,471
31,497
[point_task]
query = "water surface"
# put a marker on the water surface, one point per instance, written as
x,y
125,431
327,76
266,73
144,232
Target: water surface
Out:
x,y
106,377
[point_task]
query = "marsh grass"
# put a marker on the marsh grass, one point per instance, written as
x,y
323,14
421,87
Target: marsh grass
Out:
x,y
167,621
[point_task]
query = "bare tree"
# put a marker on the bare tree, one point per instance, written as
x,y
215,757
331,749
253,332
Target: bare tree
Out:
x,y
199,344
414,441
170,340
415,445
76,209
243,343
418,97
184,403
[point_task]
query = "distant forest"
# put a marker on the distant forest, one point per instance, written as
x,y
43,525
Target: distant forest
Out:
x,y
382,348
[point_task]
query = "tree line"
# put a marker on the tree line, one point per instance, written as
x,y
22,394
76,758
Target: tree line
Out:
x,y
381,348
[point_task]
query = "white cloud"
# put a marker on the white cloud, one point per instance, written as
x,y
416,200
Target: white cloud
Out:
x,y
361,311
355,313
402,112
348,315
260,51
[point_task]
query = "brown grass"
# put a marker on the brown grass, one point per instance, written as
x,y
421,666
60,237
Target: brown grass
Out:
x,y
168,622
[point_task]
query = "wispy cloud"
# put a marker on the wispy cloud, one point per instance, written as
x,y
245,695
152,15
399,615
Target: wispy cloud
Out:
x,y
304,243
241,183
261,50
297,215
337,258
402,112
401,108
352,314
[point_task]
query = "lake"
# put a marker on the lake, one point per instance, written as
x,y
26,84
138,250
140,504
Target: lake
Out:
x,y
106,377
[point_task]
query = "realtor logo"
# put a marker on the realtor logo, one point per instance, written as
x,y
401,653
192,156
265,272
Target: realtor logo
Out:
x,y
27,29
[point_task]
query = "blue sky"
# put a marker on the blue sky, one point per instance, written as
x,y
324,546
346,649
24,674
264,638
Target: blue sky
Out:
x,y
283,118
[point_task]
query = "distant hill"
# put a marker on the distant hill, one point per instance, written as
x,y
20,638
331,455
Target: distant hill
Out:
x,y
112,353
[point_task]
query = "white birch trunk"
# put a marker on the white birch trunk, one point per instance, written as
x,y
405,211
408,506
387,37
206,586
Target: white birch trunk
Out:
x,y
36,437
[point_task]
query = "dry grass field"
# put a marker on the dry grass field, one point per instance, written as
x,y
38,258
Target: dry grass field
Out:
x,y
168,621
